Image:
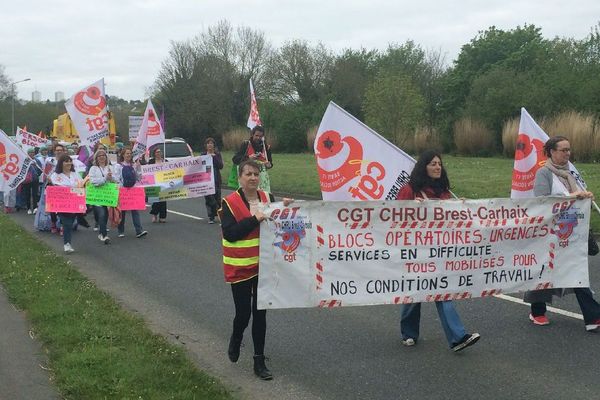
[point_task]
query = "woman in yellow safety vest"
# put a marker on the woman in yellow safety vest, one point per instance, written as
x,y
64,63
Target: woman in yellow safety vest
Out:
x,y
241,214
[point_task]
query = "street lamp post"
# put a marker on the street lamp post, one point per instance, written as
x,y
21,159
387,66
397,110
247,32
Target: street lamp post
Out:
x,y
12,91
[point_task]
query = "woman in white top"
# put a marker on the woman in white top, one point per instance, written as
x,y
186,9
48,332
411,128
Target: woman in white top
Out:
x,y
101,173
128,173
65,175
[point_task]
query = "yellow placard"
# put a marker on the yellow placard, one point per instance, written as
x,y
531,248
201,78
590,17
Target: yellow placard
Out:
x,y
167,176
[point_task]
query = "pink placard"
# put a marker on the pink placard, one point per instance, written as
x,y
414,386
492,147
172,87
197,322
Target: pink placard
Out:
x,y
132,198
147,179
198,177
65,199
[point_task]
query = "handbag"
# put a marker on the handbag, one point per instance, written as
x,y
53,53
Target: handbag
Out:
x,y
592,244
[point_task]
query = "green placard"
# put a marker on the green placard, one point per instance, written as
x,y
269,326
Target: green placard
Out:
x,y
152,191
105,195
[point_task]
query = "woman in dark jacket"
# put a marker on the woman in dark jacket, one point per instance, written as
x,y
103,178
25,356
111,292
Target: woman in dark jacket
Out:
x,y
213,201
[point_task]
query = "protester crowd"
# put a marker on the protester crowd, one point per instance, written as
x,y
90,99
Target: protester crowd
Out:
x,y
241,214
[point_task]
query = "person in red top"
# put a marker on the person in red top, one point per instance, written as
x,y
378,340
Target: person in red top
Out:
x,y
241,214
429,180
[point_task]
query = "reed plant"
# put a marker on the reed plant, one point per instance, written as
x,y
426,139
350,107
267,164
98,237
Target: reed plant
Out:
x,y
472,137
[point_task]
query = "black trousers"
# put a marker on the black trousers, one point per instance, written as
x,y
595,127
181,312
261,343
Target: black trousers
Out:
x,y
30,194
159,208
244,298
213,203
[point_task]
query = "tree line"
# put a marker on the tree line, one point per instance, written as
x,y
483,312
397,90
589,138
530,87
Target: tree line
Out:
x,y
404,92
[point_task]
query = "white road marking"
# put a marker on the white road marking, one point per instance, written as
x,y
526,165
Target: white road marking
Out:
x,y
183,214
551,309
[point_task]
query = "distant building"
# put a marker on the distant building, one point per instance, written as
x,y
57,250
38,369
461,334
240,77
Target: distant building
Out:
x,y
59,96
36,96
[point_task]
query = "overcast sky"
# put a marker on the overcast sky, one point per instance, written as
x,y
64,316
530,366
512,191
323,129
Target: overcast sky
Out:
x,y
66,45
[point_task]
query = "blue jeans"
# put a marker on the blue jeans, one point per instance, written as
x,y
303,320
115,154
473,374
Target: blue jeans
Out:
x,y
67,220
453,326
102,213
135,217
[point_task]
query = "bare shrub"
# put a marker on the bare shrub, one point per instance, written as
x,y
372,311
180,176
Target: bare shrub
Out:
x,y
579,129
233,138
426,138
311,134
472,137
510,131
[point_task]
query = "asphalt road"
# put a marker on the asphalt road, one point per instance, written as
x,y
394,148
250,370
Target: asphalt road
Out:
x,y
174,280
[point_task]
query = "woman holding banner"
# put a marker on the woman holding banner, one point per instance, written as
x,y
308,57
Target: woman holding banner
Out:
x,y
158,209
127,174
241,215
65,175
429,180
554,179
101,173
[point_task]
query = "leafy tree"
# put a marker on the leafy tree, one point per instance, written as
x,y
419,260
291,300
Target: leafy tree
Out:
x,y
297,73
350,74
394,107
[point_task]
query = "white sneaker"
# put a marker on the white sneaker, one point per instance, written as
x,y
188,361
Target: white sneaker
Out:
x,y
34,210
68,248
101,237
409,342
29,212
106,240
96,229
121,235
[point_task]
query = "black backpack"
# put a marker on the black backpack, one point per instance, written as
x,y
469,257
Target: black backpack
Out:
x,y
129,176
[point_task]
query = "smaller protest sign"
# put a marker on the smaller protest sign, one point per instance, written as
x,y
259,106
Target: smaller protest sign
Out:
x,y
135,122
64,199
132,198
104,195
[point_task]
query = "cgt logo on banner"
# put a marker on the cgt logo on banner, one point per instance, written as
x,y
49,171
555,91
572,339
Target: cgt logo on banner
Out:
x,y
87,109
354,162
529,157
14,162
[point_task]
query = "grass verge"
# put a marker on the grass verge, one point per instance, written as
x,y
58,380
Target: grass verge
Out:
x,y
96,350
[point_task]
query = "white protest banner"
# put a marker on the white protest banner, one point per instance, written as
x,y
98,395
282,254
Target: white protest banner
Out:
x,y
181,179
529,157
325,254
14,162
150,133
355,162
135,122
254,117
27,140
88,111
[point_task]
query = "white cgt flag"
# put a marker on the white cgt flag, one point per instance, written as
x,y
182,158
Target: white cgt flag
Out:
x,y
356,163
529,157
14,163
88,111
150,133
253,118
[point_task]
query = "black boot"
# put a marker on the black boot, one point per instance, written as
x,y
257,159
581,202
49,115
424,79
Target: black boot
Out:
x,y
260,369
234,348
